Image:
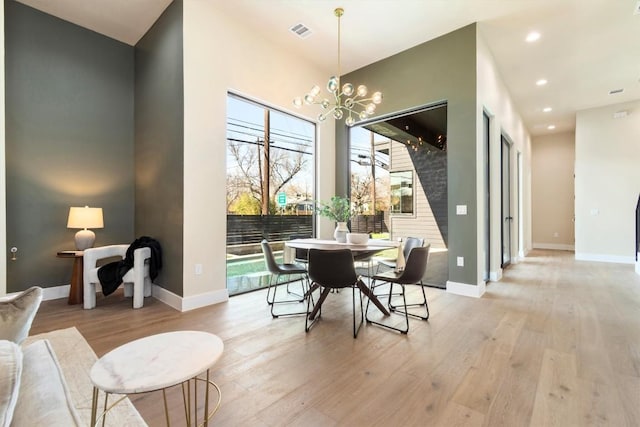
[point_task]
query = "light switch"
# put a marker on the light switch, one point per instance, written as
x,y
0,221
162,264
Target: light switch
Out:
x,y
461,209
460,261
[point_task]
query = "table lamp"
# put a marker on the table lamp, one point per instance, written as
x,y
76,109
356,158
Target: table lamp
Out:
x,y
85,218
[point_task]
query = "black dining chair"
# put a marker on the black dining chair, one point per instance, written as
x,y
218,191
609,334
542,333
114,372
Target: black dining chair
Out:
x,y
412,274
278,271
329,270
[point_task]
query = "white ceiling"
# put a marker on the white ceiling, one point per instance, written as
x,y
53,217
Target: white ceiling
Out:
x,y
586,49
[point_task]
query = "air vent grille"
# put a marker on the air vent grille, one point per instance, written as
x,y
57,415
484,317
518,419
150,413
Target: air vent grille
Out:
x,y
301,31
613,92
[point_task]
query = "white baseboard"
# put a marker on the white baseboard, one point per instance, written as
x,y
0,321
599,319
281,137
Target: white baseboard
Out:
x,y
55,292
159,293
554,246
495,276
465,289
606,258
189,303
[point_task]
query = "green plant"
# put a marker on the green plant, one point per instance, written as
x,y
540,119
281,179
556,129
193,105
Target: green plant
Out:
x,y
338,209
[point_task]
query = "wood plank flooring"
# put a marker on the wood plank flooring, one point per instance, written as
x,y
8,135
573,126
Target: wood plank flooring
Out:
x,y
555,343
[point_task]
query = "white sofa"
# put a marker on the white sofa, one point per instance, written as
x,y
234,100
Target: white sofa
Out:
x,y
44,379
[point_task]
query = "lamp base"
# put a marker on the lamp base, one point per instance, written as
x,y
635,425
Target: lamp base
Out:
x,y
85,239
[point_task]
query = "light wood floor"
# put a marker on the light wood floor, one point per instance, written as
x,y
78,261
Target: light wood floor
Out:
x,y
555,343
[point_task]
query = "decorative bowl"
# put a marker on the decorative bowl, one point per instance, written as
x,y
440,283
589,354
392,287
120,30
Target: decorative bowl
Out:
x,y
357,238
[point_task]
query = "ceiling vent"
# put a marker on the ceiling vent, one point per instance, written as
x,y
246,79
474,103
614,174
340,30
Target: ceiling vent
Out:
x,y
301,31
613,92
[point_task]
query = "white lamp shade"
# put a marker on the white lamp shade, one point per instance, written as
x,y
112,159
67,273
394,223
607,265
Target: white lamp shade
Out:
x,y
85,217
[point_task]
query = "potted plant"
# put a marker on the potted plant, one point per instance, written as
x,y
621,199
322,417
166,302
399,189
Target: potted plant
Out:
x,y
339,210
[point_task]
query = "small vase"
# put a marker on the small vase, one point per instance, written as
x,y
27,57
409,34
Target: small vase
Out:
x,y
340,234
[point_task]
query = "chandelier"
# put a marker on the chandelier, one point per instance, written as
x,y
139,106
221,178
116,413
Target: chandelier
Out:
x,y
347,101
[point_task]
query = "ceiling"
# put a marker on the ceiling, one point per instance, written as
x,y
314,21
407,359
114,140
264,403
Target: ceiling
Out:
x,y
586,49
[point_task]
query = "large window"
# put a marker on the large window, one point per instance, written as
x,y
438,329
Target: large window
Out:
x,y
401,192
270,185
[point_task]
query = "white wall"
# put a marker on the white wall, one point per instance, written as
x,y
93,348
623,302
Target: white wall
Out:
x,y
3,198
221,54
494,98
552,190
607,183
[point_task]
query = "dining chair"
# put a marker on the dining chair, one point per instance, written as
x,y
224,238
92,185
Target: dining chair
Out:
x,y
279,270
411,275
409,243
329,270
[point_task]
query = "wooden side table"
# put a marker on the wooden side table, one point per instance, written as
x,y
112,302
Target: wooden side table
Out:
x,y
76,295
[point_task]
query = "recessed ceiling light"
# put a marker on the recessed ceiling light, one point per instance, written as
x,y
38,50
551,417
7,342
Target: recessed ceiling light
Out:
x,y
551,127
533,36
547,109
541,82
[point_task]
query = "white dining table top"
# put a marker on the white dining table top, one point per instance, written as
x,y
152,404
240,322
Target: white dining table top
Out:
x,y
371,245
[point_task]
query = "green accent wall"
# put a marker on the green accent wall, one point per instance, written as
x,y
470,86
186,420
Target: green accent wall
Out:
x,y
159,141
69,140
443,69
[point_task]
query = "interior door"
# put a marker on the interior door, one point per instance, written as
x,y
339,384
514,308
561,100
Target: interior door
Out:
x,y
507,219
486,121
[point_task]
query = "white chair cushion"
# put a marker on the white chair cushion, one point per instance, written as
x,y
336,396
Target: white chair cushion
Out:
x,y
44,396
10,372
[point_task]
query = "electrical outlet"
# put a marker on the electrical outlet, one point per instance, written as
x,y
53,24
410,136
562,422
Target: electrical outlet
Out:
x,y
460,261
198,269
461,209
556,234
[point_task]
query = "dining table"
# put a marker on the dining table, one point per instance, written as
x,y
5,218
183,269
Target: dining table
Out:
x,y
359,251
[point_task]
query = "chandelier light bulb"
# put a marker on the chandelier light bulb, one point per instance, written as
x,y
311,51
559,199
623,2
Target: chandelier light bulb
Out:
x,y
347,89
347,101
371,108
332,84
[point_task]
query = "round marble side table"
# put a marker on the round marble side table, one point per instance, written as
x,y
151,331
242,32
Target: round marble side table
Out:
x,y
158,362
